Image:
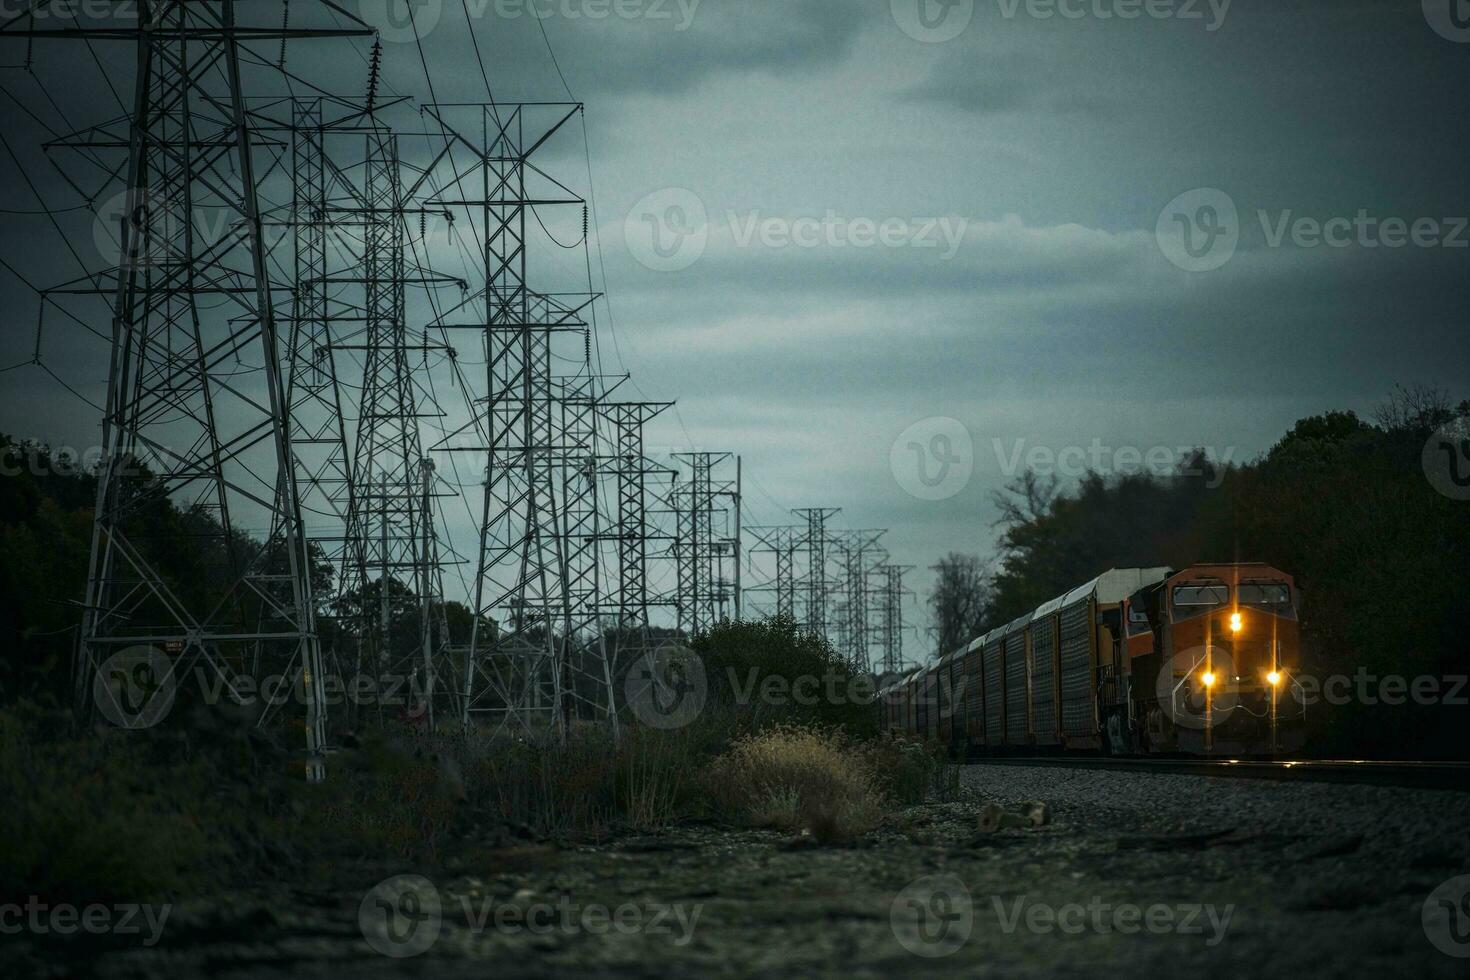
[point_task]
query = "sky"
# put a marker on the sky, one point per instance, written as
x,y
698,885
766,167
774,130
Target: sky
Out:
x,y
891,252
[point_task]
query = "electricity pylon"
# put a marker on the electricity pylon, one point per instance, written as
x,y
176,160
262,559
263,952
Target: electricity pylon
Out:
x,y
541,664
814,544
892,614
190,312
783,542
707,541
860,552
633,473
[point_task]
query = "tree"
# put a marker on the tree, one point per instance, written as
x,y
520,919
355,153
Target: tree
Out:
x,y
961,600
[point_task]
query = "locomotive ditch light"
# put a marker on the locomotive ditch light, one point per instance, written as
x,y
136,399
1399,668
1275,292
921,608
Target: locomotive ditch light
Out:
x,y
1208,679
1274,677
1235,623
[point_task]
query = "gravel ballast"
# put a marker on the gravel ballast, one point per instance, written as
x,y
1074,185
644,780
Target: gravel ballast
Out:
x,y
1136,875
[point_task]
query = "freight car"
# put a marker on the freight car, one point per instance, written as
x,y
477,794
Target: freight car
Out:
x,y
1139,660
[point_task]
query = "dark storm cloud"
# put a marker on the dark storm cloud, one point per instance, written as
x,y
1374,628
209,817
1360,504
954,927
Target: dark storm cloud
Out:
x,y
635,47
1056,319
1008,82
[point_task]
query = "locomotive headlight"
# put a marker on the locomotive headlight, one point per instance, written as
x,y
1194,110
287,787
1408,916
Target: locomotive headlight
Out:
x,y
1235,622
1274,677
1208,679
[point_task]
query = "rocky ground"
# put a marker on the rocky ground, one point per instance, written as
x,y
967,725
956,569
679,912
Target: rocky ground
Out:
x,y
1141,875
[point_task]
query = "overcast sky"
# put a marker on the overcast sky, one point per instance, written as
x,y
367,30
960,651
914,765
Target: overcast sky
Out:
x,y
830,226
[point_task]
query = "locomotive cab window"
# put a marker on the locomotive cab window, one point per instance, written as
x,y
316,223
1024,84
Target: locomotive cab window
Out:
x,y
1201,595
1265,594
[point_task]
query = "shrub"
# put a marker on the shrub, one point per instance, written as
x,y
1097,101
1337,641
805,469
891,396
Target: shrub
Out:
x,y
794,778
812,683
908,772
104,817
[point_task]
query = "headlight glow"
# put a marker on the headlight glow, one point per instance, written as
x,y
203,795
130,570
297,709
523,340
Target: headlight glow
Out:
x,y
1208,678
1235,623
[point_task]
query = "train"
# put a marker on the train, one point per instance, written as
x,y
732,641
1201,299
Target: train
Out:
x,y
1198,661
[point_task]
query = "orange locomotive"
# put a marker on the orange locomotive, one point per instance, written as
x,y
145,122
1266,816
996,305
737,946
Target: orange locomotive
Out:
x,y
1199,661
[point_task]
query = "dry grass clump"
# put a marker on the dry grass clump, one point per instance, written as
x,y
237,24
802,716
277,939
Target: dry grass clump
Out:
x,y
798,779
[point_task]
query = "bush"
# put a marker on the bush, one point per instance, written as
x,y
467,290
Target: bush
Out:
x,y
810,682
908,772
794,778
106,817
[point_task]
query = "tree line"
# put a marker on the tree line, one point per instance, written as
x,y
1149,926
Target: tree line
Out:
x,y
1381,556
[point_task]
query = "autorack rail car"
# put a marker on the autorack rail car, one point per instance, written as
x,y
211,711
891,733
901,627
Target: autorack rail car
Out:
x,y
1197,661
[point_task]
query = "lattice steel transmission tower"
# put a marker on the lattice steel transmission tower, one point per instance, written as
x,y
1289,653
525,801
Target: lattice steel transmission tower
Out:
x,y
707,541
633,472
892,606
814,543
320,428
395,478
860,553
541,664
195,383
782,542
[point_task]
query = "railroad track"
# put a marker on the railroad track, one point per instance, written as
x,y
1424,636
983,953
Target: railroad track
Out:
x,y
1410,775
